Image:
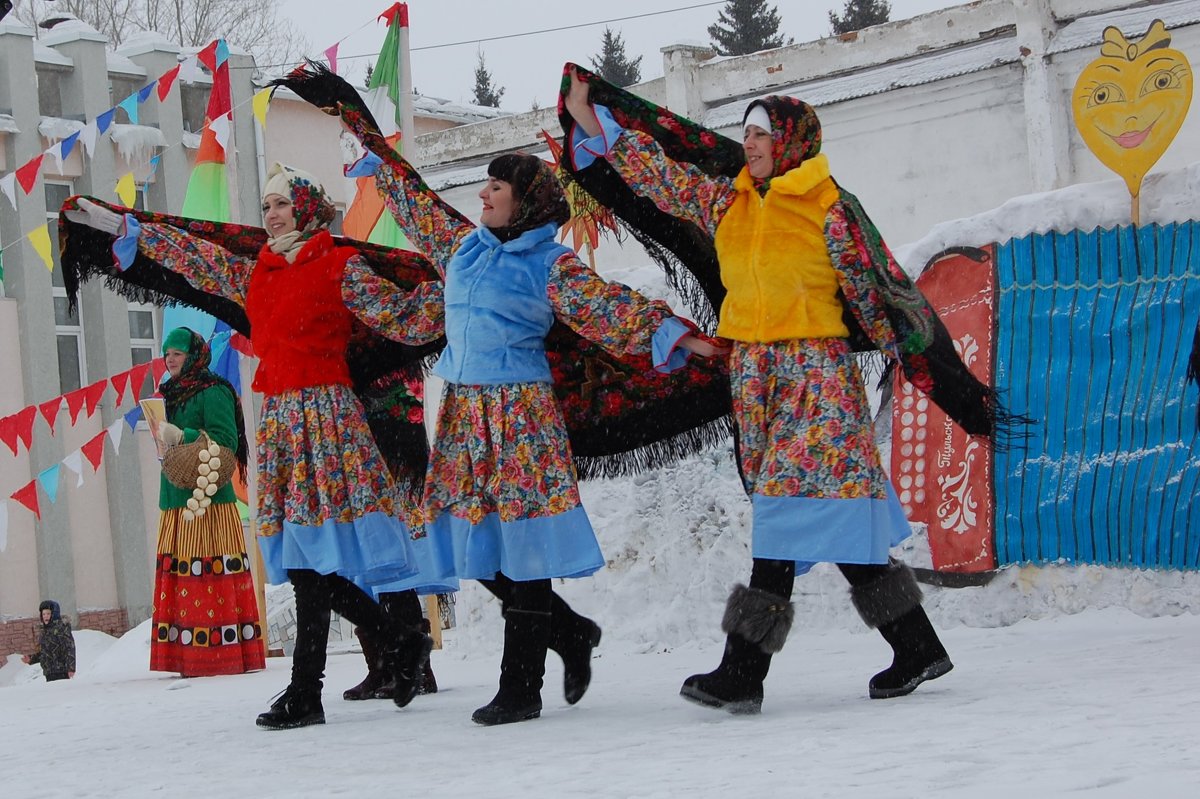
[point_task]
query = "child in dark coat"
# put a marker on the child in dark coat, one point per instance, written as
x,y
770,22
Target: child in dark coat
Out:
x,y
56,648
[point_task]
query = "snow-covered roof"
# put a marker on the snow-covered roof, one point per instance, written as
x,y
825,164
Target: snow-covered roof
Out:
x,y
1089,31
57,128
48,55
440,180
136,143
119,63
464,113
8,124
876,80
71,29
147,42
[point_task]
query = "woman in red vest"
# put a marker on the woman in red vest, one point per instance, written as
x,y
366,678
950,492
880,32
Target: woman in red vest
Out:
x,y
327,515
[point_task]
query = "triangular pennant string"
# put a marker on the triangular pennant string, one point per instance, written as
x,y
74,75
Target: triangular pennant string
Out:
x,y
137,379
133,417
28,497
144,93
88,137
25,419
75,400
39,239
49,480
114,434
28,172
119,381
166,81
160,367
8,432
68,144
49,410
130,106
104,120
74,462
259,105
93,393
331,57
8,185
127,190
208,56
220,128
94,450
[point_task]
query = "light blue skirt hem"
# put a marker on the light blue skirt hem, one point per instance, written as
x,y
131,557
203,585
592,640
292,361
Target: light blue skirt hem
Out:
x,y
372,549
528,549
812,530
435,570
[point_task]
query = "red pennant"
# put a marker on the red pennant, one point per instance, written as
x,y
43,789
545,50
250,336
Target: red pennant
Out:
x,y
208,56
49,410
137,379
75,401
165,81
28,497
25,425
8,432
397,10
94,450
119,381
27,174
160,369
93,393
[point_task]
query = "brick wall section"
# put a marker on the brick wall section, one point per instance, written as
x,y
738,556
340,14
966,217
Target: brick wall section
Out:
x,y
20,635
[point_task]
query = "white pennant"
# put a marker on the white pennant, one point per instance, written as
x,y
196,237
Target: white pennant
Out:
x,y
56,151
189,70
114,433
74,462
3,525
8,186
88,136
220,128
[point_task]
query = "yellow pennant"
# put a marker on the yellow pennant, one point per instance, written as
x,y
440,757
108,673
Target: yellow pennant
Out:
x,y
127,190
40,239
259,104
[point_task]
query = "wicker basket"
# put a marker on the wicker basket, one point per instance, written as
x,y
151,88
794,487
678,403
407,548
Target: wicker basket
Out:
x,y
185,464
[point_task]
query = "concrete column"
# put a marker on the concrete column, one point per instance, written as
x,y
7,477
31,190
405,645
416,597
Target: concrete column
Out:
x,y
28,282
1047,118
106,334
242,156
681,71
156,56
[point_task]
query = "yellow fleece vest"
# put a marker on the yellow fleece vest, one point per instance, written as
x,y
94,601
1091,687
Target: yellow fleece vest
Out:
x,y
774,260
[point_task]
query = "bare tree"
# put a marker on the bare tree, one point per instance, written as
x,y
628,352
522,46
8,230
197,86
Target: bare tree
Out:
x,y
254,25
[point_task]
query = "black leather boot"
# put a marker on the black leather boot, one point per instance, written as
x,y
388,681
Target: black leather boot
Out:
x,y
377,684
522,667
757,623
889,599
300,704
295,707
573,637
404,608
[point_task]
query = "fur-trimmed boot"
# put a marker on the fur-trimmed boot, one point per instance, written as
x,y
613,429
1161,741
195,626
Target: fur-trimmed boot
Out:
x,y
573,637
377,684
891,602
522,667
757,623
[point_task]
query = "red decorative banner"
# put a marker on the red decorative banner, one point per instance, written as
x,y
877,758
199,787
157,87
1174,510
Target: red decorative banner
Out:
x,y
49,410
943,476
93,393
166,80
75,400
119,381
25,419
137,379
160,368
28,497
8,432
27,174
94,450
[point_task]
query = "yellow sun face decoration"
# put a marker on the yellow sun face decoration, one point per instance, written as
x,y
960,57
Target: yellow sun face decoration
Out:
x,y
1131,101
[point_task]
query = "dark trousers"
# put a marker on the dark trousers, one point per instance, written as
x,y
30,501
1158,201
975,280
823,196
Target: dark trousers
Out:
x,y
317,595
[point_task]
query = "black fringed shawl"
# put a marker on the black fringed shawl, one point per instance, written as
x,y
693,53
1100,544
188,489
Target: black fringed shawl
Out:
x,y
883,308
621,415
377,365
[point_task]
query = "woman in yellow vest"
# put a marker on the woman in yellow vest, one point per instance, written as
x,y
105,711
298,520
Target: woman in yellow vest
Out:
x,y
793,252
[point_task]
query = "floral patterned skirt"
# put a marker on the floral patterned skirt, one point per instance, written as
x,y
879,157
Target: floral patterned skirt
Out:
x,y
501,488
325,495
808,455
206,618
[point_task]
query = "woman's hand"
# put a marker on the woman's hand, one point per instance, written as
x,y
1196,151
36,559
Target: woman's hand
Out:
x,y
169,434
579,106
702,347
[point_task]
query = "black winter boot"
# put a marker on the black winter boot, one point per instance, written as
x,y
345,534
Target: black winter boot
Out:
x,y
428,681
573,637
377,684
295,707
890,600
757,624
521,669
404,607
406,664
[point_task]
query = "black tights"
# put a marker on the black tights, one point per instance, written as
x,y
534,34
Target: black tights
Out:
x,y
317,595
535,596
778,576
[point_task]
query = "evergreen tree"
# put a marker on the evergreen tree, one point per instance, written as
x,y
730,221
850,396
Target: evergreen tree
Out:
x,y
746,26
485,92
612,64
859,14
370,70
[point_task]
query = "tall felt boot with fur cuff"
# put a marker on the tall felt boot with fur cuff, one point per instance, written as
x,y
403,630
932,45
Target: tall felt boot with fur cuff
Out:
x,y
757,625
522,667
892,604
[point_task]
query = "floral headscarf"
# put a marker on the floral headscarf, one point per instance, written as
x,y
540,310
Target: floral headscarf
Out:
x,y
537,194
795,131
311,207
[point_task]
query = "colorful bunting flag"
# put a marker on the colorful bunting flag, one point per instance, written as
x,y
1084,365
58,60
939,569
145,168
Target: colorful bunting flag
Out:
x,y
74,462
49,480
137,379
8,432
119,381
127,190
104,120
222,52
160,367
75,400
27,496
88,136
166,81
27,173
49,410
25,419
68,144
39,238
130,106
208,56
8,184
331,57
144,93
259,104
93,393
94,450
133,416
114,431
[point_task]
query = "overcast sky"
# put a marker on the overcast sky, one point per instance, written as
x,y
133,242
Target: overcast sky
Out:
x,y
527,66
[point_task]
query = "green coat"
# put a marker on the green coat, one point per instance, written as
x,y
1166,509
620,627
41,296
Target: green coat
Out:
x,y
211,411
